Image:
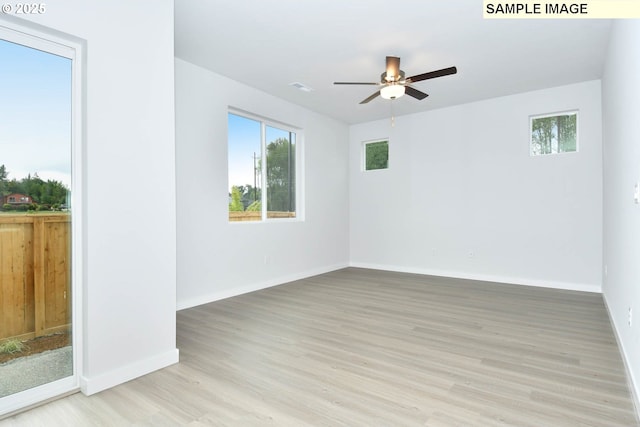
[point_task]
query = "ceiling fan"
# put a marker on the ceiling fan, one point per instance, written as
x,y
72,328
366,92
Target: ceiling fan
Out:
x,y
394,84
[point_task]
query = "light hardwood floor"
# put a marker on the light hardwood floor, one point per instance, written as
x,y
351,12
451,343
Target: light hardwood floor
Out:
x,y
369,348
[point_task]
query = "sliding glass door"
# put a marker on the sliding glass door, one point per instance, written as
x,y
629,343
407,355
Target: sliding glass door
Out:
x,y
37,216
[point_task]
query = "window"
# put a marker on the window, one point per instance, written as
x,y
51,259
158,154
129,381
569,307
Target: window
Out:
x,y
376,155
554,133
262,169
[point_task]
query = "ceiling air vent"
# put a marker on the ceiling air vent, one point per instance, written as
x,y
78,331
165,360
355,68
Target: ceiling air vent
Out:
x,y
301,86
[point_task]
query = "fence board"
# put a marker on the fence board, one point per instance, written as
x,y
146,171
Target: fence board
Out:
x,y
38,275
57,274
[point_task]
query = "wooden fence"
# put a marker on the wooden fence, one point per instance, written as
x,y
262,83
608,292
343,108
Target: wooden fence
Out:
x,y
257,216
35,274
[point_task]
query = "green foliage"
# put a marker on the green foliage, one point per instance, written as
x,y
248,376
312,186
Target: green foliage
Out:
x,y
236,200
280,180
255,206
281,176
43,193
377,155
12,346
249,194
3,180
554,134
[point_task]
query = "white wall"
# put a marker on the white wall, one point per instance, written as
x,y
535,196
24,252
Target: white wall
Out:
x,y
621,134
463,198
217,259
129,183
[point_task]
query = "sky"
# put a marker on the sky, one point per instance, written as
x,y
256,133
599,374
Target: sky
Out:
x,y
35,120
35,113
244,141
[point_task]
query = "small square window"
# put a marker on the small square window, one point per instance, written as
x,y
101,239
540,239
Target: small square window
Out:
x,y
554,133
376,155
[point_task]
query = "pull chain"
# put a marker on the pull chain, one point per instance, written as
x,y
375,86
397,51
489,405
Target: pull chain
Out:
x,y
393,119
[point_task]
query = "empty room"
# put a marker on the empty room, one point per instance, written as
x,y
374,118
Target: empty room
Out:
x,y
323,213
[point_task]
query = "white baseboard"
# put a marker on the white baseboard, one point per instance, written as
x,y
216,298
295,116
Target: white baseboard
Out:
x,y
634,386
92,385
228,293
483,277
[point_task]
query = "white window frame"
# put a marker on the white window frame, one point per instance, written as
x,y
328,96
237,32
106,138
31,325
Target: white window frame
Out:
x,y
51,41
363,156
555,114
299,170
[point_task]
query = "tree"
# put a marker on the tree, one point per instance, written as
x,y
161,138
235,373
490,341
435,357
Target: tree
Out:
x,y
236,202
249,194
554,134
543,133
281,184
377,155
53,193
3,180
34,187
49,193
280,164
255,207
567,127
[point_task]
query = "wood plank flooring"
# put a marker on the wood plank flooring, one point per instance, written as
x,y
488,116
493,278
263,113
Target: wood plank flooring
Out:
x,y
360,347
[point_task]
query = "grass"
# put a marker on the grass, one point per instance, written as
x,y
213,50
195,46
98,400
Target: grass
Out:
x,y
11,347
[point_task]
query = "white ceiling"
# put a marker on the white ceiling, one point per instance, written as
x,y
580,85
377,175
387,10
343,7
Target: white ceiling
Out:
x,y
270,44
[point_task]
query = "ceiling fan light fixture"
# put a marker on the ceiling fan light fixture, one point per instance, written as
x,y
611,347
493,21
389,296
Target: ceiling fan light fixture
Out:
x,y
393,83
392,91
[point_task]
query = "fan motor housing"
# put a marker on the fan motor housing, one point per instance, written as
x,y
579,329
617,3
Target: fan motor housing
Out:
x,y
385,79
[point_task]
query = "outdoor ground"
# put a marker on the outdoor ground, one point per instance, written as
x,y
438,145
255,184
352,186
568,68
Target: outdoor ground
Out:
x,y
39,344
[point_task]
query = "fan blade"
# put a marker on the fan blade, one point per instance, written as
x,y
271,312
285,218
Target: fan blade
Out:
x,y
354,83
393,68
371,97
415,93
433,74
